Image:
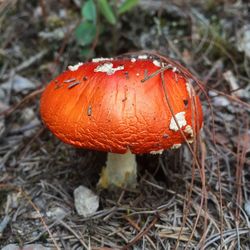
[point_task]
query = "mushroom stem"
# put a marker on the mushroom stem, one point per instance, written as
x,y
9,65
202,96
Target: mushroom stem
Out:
x,y
120,171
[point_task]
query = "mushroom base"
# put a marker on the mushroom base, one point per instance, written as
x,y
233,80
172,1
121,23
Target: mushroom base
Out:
x,y
120,171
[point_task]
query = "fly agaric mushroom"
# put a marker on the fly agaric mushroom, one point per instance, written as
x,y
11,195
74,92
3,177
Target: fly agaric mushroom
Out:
x,y
125,106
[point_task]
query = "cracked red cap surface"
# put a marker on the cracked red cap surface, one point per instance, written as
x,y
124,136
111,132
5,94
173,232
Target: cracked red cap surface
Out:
x,y
112,105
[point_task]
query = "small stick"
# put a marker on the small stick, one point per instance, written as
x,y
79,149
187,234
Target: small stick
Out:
x,y
73,85
156,73
4,224
89,110
145,73
69,80
140,234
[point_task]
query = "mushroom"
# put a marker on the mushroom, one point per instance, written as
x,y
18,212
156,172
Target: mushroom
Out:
x,y
124,106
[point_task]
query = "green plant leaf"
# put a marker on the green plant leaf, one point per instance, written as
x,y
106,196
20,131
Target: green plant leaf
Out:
x,y
107,11
85,33
89,11
127,6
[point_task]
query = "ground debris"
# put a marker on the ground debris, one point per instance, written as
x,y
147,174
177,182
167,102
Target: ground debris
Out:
x,y
56,213
26,247
86,202
18,84
244,40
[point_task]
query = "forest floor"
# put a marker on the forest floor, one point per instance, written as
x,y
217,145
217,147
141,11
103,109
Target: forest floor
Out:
x,y
176,205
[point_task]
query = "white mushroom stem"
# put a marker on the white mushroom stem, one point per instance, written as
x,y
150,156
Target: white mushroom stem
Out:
x,y
120,171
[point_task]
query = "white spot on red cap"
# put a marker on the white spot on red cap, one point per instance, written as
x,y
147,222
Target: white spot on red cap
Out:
x,y
175,146
108,68
157,63
133,60
157,152
180,118
174,69
142,57
75,67
189,130
102,59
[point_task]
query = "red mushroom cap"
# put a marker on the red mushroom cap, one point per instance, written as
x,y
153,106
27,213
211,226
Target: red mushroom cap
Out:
x,y
106,105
